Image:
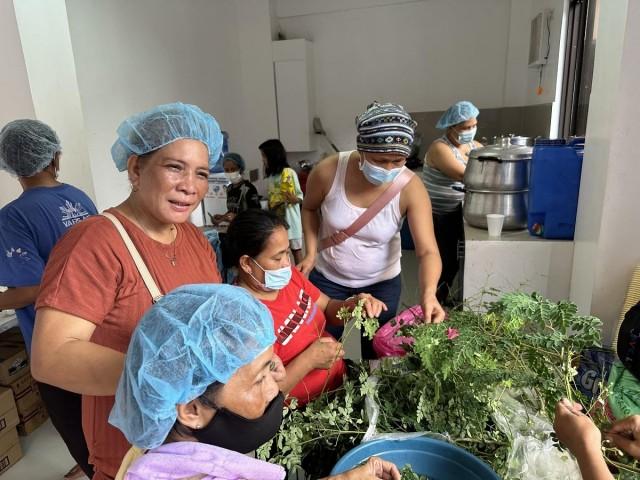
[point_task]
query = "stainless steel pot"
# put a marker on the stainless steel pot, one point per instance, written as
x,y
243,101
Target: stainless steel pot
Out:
x,y
500,167
513,205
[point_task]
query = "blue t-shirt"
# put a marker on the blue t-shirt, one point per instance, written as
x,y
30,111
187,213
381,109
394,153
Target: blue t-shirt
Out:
x,y
29,228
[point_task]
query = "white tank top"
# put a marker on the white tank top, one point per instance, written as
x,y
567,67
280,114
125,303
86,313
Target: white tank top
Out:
x,y
370,256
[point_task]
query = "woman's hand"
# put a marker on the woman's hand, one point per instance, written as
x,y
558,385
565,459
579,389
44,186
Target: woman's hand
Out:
x,y
323,353
576,430
625,434
433,311
372,305
374,469
215,219
306,265
290,198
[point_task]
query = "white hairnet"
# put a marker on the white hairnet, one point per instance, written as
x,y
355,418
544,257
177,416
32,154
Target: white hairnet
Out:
x,y
27,147
145,132
194,336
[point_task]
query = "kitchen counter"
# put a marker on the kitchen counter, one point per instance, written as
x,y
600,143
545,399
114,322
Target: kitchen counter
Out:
x,y
515,261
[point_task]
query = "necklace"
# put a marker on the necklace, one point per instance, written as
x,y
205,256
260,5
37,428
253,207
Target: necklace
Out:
x,y
171,257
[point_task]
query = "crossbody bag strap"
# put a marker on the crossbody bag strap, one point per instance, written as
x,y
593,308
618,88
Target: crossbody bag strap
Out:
x,y
379,203
148,280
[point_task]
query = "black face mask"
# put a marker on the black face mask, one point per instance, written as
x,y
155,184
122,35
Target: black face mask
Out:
x,y
234,432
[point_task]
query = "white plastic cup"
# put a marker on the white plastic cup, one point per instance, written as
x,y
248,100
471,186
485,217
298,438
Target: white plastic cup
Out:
x,y
264,204
494,224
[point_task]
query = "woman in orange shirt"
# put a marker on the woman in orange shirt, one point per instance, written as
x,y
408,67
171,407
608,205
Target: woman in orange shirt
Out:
x,y
93,294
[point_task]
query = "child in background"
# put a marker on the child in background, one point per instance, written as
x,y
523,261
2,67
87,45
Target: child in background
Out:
x,y
284,192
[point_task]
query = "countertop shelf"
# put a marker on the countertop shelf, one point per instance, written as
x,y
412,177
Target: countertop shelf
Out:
x,y
474,234
7,320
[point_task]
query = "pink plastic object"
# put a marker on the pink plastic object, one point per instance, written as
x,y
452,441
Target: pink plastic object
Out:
x,y
385,341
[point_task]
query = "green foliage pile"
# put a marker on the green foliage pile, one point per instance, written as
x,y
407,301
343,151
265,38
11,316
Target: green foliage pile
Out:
x,y
450,382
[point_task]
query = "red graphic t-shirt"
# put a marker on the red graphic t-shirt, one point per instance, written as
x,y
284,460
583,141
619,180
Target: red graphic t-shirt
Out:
x,y
298,322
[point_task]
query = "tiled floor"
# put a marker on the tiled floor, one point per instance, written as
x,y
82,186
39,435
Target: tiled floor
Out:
x,y
45,457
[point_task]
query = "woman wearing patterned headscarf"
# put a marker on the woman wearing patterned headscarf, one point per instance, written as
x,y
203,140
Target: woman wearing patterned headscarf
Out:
x,y
341,188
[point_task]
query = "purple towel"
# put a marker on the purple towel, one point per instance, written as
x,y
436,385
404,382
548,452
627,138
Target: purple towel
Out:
x,y
182,460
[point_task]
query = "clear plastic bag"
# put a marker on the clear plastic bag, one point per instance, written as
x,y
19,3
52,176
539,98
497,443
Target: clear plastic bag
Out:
x,y
534,455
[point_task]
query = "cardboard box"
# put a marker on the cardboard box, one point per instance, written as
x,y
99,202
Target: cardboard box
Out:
x,y
10,450
32,421
14,363
8,440
25,394
8,413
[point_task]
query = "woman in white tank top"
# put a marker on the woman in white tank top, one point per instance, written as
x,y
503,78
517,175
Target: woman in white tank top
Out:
x,y
341,188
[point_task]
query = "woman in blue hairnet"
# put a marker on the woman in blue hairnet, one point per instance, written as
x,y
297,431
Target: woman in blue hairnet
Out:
x,y
106,271
241,194
444,167
200,389
29,228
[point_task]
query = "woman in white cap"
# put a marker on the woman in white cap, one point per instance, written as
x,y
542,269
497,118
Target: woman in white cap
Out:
x,y
355,205
107,271
444,167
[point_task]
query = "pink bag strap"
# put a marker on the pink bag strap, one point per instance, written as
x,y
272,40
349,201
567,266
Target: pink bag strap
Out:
x,y
379,203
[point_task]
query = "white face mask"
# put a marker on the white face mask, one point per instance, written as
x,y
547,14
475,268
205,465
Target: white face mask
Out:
x,y
234,177
377,175
467,136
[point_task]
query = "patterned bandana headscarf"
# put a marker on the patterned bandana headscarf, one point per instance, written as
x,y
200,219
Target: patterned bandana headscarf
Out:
x,y
385,128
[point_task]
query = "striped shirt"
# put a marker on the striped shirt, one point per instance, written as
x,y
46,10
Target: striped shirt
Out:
x,y
444,199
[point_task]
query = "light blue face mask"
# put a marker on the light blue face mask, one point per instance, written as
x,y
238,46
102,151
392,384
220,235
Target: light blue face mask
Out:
x,y
274,279
378,175
467,136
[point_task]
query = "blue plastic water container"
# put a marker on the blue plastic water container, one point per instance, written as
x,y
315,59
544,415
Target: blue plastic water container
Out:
x,y
427,456
554,184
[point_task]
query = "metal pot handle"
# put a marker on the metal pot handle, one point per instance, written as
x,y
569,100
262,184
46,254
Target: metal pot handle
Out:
x,y
484,158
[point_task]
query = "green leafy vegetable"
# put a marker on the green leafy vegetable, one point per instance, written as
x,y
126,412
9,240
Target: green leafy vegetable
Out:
x,y
451,382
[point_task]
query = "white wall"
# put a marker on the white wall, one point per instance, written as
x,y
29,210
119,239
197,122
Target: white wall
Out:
x,y
15,94
607,227
44,31
131,56
521,82
422,54
256,109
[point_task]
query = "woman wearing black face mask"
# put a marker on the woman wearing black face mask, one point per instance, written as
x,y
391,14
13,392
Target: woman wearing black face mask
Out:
x,y
200,389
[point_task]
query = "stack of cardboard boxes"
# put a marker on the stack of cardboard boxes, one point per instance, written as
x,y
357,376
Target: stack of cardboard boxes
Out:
x,y
10,451
21,408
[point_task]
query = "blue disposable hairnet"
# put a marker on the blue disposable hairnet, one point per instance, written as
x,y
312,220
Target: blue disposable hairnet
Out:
x,y
27,147
194,336
148,131
457,113
235,158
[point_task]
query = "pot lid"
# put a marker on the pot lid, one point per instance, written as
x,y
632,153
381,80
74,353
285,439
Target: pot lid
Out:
x,y
502,150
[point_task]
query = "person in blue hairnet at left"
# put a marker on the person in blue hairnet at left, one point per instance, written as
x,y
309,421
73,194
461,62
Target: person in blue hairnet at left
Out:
x,y
200,389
